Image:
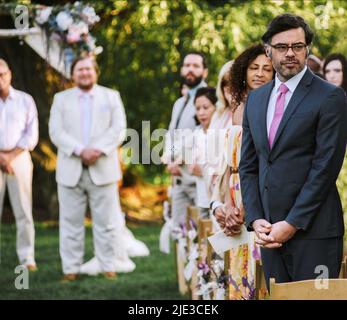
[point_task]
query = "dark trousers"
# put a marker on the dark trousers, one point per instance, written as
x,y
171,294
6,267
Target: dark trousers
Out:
x,y
303,260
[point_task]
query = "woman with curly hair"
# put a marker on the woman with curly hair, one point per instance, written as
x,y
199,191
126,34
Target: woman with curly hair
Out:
x,y
250,70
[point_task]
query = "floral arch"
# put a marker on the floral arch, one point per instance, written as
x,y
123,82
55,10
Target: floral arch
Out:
x,y
58,34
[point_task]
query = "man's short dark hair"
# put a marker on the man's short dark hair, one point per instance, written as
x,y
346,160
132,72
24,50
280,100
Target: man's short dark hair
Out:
x,y
286,22
78,59
198,53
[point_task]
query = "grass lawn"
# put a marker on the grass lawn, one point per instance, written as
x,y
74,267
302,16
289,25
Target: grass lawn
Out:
x,y
153,278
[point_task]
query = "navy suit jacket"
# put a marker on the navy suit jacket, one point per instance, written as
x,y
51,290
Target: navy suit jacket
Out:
x,y
296,180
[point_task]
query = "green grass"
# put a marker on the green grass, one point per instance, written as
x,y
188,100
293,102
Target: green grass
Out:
x,y
153,278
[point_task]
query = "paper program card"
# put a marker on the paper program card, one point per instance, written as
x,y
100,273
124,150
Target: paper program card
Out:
x,y
220,242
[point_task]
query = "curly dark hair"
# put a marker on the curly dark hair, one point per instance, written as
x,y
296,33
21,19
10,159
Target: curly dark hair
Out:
x,y
238,72
340,57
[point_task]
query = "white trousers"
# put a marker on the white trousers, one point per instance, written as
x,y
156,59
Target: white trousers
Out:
x,y
19,187
104,205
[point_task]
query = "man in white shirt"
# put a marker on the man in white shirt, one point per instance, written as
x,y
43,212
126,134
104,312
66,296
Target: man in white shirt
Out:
x,y
18,135
87,124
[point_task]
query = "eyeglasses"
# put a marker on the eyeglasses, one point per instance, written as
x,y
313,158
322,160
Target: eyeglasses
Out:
x,y
283,48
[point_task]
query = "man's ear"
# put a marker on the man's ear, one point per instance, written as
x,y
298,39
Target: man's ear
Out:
x,y
268,51
307,52
205,74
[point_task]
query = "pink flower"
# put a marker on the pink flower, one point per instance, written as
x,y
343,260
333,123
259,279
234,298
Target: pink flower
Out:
x,y
76,31
73,37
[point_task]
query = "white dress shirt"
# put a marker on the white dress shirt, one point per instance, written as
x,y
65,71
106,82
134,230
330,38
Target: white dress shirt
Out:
x,y
291,84
85,99
18,121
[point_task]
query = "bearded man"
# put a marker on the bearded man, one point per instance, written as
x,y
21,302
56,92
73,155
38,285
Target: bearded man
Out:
x,y
193,71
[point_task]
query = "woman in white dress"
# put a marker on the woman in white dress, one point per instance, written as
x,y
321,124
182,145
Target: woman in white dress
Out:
x,y
205,106
220,123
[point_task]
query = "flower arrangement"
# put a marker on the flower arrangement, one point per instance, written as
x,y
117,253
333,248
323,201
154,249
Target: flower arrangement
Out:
x,y
179,232
185,235
70,25
212,279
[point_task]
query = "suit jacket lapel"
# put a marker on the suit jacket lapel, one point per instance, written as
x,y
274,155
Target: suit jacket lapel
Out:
x,y
300,92
264,102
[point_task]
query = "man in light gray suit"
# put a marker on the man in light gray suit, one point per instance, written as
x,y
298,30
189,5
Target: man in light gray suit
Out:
x,y
87,124
193,71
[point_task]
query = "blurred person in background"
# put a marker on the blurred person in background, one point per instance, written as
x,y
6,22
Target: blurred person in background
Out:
x,y
335,70
19,134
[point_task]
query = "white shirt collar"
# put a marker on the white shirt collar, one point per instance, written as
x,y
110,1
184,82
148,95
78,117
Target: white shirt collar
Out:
x,y
292,83
11,93
90,93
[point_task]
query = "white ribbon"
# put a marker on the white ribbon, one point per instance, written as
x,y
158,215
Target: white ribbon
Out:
x,y
165,233
206,292
220,294
206,289
218,266
192,233
181,248
191,265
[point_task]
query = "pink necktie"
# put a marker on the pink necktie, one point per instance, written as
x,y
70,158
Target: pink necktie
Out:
x,y
279,110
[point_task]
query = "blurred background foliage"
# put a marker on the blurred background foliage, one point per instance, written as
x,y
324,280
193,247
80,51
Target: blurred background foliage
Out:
x,y
144,42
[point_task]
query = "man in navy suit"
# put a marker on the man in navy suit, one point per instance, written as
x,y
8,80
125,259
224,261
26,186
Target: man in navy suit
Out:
x,y
294,143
